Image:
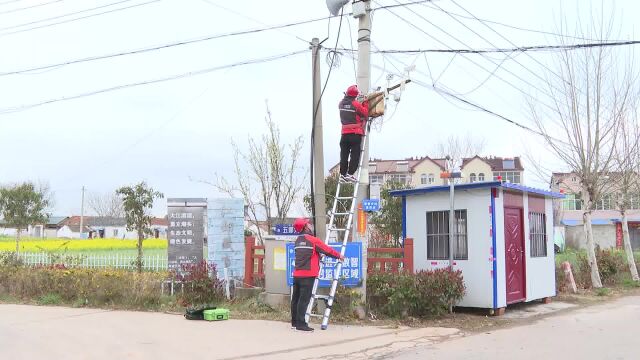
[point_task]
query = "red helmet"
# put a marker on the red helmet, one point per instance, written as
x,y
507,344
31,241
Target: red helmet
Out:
x,y
300,223
353,91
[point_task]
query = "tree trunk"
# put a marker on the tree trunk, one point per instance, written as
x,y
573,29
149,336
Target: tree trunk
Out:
x,y
627,247
139,262
17,241
591,252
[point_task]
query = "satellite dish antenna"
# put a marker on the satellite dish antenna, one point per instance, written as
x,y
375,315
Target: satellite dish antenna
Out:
x,y
334,6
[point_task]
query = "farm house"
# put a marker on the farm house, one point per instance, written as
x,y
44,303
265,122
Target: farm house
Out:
x,y
503,244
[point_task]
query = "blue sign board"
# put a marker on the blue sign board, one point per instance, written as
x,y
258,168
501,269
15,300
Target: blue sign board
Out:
x,y
284,229
371,204
351,273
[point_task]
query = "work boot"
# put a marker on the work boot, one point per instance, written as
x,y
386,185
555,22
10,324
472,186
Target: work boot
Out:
x,y
351,178
304,328
343,178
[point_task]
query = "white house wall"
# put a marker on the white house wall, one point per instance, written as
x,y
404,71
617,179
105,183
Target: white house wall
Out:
x,y
66,233
477,269
540,271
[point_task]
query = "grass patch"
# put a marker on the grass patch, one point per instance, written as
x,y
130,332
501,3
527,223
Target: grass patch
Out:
x,y
630,284
50,299
603,292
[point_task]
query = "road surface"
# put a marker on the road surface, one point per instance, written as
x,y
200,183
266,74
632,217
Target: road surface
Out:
x,y
608,331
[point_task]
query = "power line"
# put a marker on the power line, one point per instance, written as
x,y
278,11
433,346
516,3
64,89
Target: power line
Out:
x,y
9,2
159,47
471,60
512,26
482,108
61,16
76,19
30,7
249,18
520,49
184,42
463,43
509,41
149,82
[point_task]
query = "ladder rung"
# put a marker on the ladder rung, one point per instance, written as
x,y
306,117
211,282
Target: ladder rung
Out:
x,y
339,213
338,229
345,197
316,315
322,297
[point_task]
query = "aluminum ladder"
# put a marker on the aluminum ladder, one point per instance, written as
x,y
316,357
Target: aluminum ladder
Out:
x,y
344,232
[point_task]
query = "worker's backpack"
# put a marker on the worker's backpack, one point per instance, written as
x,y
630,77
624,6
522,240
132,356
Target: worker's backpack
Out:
x,y
197,313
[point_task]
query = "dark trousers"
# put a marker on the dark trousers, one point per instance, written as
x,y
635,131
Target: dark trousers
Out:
x,y
300,300
350,148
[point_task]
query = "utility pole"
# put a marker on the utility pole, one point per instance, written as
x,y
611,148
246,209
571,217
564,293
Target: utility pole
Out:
x,y
82,213
362,11
320,220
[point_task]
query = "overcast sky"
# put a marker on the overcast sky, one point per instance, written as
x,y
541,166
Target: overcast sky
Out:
x,y
169,132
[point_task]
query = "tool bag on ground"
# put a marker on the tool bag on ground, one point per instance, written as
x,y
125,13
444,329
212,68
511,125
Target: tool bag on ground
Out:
x,y
197,313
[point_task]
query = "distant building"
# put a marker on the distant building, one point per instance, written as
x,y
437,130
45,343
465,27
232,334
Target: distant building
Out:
x,y
425,171
480,169
606,220
47,230
108,227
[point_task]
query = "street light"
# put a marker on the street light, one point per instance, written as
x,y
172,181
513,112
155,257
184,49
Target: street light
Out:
x,y
334,6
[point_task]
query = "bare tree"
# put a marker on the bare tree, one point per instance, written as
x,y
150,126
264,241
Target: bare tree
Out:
x,y
459,147
627,161
106,205
590,93
266,176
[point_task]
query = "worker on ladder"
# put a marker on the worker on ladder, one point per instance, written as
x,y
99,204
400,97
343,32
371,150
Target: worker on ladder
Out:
x,y
307,266
353,115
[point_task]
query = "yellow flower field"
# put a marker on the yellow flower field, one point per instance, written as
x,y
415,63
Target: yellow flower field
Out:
x,y
41,245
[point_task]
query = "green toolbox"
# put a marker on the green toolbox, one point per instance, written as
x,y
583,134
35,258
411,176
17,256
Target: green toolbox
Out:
x,y
216,314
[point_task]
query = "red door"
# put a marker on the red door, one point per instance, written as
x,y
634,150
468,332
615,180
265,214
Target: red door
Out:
x,y
514,255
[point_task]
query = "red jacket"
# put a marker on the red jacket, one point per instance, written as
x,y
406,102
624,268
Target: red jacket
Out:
x,y
308,249
353,115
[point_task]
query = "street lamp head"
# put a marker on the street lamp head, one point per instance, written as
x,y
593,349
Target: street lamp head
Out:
x,y
334,6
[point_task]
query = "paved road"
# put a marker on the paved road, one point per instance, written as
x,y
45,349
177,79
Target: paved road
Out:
x,y
610,331
33,332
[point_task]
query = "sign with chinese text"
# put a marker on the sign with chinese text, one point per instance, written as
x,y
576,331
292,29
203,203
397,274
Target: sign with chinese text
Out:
x,y
185,233
351,272
371,204
226,236
283,229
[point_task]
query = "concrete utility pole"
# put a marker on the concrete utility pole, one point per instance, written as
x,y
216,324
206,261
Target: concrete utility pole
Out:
x,y
320,220
362,11
82,213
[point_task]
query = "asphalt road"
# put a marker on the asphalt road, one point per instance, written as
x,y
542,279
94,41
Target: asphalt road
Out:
x,y
608,331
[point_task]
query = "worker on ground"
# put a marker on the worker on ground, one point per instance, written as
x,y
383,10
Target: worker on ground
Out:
x,y
353,115
307,266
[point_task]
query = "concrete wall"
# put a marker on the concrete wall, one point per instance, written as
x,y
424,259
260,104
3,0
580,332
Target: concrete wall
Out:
x,y
603,235
477,269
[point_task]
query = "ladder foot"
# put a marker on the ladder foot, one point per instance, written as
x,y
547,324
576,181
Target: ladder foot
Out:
x,y
323,327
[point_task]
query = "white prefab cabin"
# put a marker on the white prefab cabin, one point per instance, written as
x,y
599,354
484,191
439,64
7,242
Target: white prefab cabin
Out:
x,y
503,241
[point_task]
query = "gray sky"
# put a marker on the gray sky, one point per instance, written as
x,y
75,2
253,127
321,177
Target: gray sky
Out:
x,y
168,132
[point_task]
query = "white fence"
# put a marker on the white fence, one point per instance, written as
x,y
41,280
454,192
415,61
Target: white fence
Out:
x,y
116,261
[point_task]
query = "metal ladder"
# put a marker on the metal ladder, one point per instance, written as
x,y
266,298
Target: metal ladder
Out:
x,y
344,232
